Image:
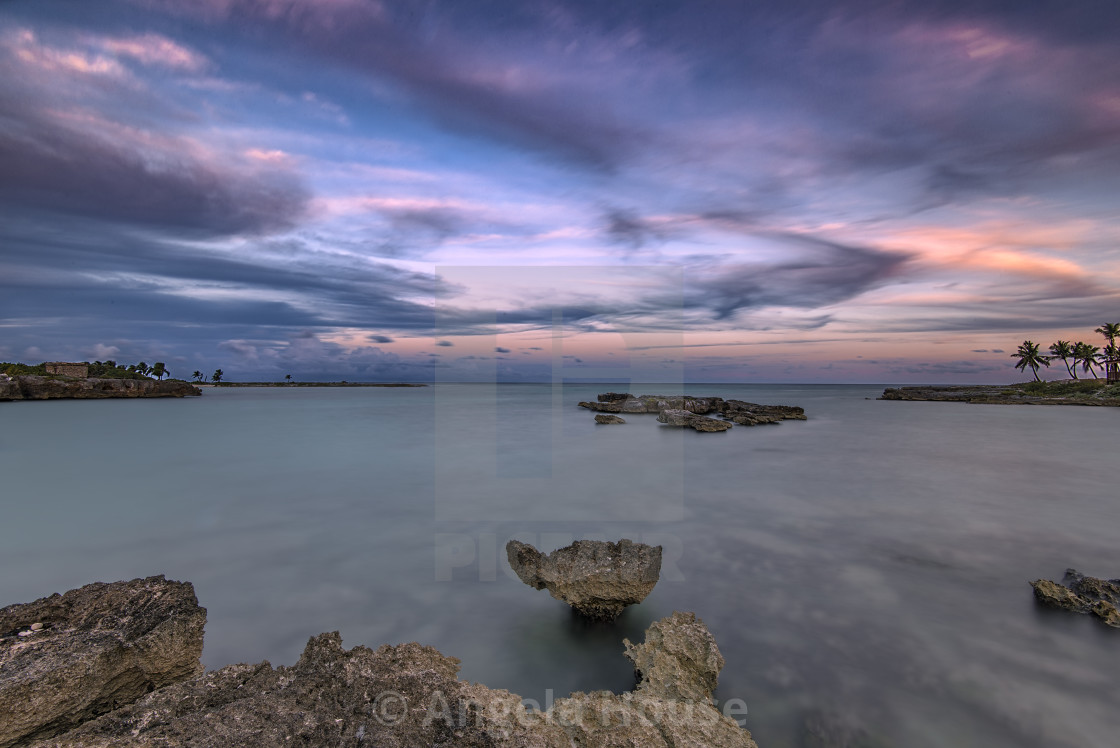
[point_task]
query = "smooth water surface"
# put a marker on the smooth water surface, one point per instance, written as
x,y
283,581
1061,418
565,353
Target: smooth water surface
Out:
x,y
867,567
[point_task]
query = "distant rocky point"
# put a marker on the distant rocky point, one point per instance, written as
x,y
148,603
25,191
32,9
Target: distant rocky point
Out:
x,y
32,387
118,665
595,577
1064,392
695,412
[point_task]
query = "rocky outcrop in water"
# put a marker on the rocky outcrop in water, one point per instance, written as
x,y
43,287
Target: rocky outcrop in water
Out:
x,y
688,419
1081,594
595,577
66,659
603,418
736,411
395,697
30,387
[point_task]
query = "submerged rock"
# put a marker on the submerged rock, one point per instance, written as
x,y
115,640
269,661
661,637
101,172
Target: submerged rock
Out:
x,y
595,577
688,419
1082,594
409,695
606,419
65,659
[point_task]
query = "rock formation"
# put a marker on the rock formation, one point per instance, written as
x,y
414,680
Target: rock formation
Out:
x,y
30,387
395,697
1082,594
607,419
736,411
596,578
688,419
65,659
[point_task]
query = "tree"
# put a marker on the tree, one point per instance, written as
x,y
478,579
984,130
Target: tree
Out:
x,y
197,376
1064,350
288,378
1087,355
216,376
159,369
1111,331
1029,356
142,368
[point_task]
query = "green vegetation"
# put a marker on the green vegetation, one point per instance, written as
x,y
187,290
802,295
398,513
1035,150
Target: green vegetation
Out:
x,y
98,369
1071,388
216,377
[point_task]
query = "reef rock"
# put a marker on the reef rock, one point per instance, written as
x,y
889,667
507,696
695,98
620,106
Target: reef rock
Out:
x,y
606,419
737,411
1082,594
688,419
66,659
409,695
595,577
30,387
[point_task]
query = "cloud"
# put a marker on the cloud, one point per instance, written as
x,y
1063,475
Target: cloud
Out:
x,y
380,339
62,157
499,349
828,274
445,343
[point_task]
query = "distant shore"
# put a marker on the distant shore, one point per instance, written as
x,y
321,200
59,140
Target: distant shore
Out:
x,y
308,384
1061,392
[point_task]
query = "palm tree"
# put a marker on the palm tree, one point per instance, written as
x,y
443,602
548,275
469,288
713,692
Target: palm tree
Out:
x,y
1029,355
197,376
1110,330
1087,355
288,378
216,376
1064,350
142,368
159,369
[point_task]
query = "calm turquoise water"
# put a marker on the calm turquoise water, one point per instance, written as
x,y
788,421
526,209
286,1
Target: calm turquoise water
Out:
x,y
871,562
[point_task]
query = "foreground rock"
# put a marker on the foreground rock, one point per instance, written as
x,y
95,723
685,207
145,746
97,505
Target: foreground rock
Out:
x,y
68,658
736,411
29,387
409,695
687,419
595,577
608,419
1082,594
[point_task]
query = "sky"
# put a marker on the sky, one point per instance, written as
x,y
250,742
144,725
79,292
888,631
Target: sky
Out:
x,y
533,190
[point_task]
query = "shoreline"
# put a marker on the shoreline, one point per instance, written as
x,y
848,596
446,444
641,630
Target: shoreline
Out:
x,y
1091,392
221,385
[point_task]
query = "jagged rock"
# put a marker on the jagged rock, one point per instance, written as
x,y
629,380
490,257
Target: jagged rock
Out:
x,y
409,695
595,577
753,414
98,647
30,387
679,659
685,418
736,411
1082,594
608,419
602,407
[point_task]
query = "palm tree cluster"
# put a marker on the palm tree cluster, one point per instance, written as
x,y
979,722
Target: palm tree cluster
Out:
x,y
1089,356
158,369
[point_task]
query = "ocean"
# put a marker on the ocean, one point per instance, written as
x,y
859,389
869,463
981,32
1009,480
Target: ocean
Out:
x,y
864,572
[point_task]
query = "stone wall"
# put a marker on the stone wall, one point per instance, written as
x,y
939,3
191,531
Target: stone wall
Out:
x,y
63,369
